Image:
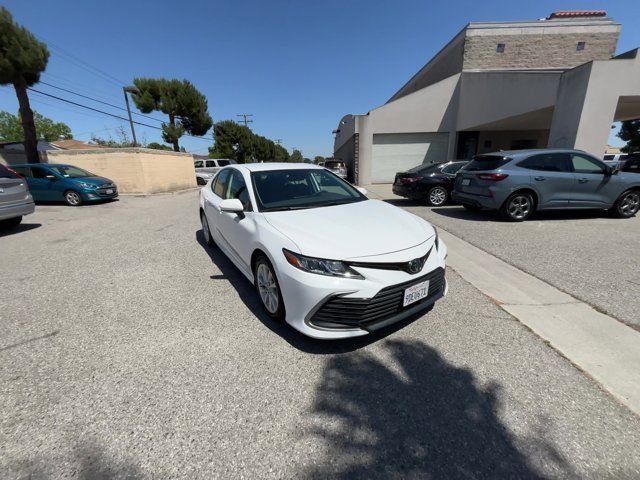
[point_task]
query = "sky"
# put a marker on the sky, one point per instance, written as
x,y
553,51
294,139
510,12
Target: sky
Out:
x,y
297,66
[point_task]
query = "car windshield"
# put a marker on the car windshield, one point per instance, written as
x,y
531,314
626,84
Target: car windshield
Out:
x,y
432,167
6,173
332,165
301,188
71,172
486,162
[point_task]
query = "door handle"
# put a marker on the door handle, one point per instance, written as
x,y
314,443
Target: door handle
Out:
x,y
539,179
583,180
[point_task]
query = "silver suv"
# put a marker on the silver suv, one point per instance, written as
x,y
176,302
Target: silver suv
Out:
x,y
15,199
516,183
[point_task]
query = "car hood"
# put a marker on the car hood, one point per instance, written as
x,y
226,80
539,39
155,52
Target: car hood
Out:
x,y
350,231
97,181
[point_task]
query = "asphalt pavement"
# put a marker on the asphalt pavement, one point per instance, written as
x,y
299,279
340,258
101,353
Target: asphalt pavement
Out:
x,y
130,350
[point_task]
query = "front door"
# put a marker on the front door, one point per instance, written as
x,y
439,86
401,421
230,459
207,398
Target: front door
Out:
x,y
42,187
593,186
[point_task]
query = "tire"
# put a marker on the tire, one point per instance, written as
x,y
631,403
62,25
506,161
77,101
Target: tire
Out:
x,y
268,288
471,208
11,222
518,207
627,204
206,231
437,196
72,198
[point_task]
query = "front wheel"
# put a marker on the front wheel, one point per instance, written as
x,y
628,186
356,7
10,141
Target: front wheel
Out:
x,y
206,231
518,207
72,198
437,196
627,204
268,288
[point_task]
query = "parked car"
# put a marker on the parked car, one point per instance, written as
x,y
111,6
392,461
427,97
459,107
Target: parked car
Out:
x,y
15,199
337,167
57,182
615,159
632,163
322,256
516,183
207,168
432,182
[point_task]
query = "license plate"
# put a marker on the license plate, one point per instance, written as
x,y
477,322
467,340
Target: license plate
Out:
x,y
415,293
466,181
110,191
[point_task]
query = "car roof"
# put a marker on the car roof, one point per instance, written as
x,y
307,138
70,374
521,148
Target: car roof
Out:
x,y
263,167
40,165
533,151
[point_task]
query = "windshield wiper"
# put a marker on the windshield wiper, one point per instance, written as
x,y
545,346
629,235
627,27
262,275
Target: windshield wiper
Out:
x,y
282,209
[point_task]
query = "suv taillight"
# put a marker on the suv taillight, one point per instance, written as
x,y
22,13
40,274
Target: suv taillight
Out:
x,y
495,177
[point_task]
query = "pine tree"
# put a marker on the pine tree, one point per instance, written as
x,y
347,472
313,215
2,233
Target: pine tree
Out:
x,y
180,100
22,59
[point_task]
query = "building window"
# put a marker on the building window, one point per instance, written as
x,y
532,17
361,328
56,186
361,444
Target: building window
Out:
x,y
500,48
580,46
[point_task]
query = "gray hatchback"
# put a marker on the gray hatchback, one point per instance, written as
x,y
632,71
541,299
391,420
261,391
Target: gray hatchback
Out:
x,y
15,199
516,183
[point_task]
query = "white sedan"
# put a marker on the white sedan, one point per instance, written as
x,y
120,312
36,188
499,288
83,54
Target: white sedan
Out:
x,y
322,256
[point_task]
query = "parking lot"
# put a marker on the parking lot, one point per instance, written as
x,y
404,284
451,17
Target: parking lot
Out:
x,y
130,350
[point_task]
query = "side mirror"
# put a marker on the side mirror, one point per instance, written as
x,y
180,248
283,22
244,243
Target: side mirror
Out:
x,y
362,190
231,205
50,177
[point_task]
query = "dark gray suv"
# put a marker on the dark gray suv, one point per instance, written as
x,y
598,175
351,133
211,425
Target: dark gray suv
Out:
x,y
516,183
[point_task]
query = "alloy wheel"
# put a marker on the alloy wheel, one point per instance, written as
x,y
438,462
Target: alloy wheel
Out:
x,y
519,207
73,198
267,288
437,196
630,204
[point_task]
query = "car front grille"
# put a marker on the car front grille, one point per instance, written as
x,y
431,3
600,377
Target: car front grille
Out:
x,y
340,312
102,189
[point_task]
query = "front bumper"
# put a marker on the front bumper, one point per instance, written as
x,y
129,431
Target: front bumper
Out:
x,y
18,209
368,304
97,194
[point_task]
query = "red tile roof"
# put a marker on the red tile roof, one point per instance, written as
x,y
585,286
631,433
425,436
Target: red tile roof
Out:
x,y
577,13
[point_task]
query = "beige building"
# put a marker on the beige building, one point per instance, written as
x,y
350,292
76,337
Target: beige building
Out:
x,y
499,86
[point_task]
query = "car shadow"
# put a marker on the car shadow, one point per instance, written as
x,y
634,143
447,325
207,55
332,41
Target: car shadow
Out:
x,y
83,204
462,213
249,297
23,227
408,413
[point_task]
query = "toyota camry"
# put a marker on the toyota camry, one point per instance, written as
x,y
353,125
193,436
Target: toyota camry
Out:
x,y
322,256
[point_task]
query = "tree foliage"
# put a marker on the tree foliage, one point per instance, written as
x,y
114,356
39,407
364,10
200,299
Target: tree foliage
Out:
x,y
46,129
22,59
630,133
121,140
239,143
180,100
158,146
297,157
318,159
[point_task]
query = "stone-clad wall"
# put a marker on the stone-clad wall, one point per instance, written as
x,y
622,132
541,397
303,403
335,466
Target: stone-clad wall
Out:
x,y
537,50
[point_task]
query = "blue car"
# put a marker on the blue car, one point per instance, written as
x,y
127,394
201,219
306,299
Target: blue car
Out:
x,y
56,182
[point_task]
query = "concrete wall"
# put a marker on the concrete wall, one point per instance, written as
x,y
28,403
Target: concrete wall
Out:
x,y
548,45
134,170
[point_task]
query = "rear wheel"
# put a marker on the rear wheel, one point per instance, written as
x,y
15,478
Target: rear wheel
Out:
x,y
518,207
72,198
437,196
11,222
627,204
268,288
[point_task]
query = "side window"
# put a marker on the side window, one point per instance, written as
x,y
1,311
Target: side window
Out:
x,y
584,164
219,185
24,171
198,164
211,163
547,162
453,168
238,189
39,172
609,157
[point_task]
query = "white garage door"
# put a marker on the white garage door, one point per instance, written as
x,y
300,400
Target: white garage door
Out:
x,y
397,152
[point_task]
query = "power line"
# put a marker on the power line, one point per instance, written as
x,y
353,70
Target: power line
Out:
x,y
106,113
245,118
100,101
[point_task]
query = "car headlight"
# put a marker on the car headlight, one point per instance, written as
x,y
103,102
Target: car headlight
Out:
x,y
86,185
321,266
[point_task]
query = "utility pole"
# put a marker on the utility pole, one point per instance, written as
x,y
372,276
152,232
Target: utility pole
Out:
x,y
245,118
126,100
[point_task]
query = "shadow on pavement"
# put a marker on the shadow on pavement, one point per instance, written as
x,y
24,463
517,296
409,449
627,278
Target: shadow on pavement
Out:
x,y
461,213
424,419
248,295
23,227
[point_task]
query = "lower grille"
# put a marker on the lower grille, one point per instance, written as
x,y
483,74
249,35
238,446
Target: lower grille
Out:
x,y
341,312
